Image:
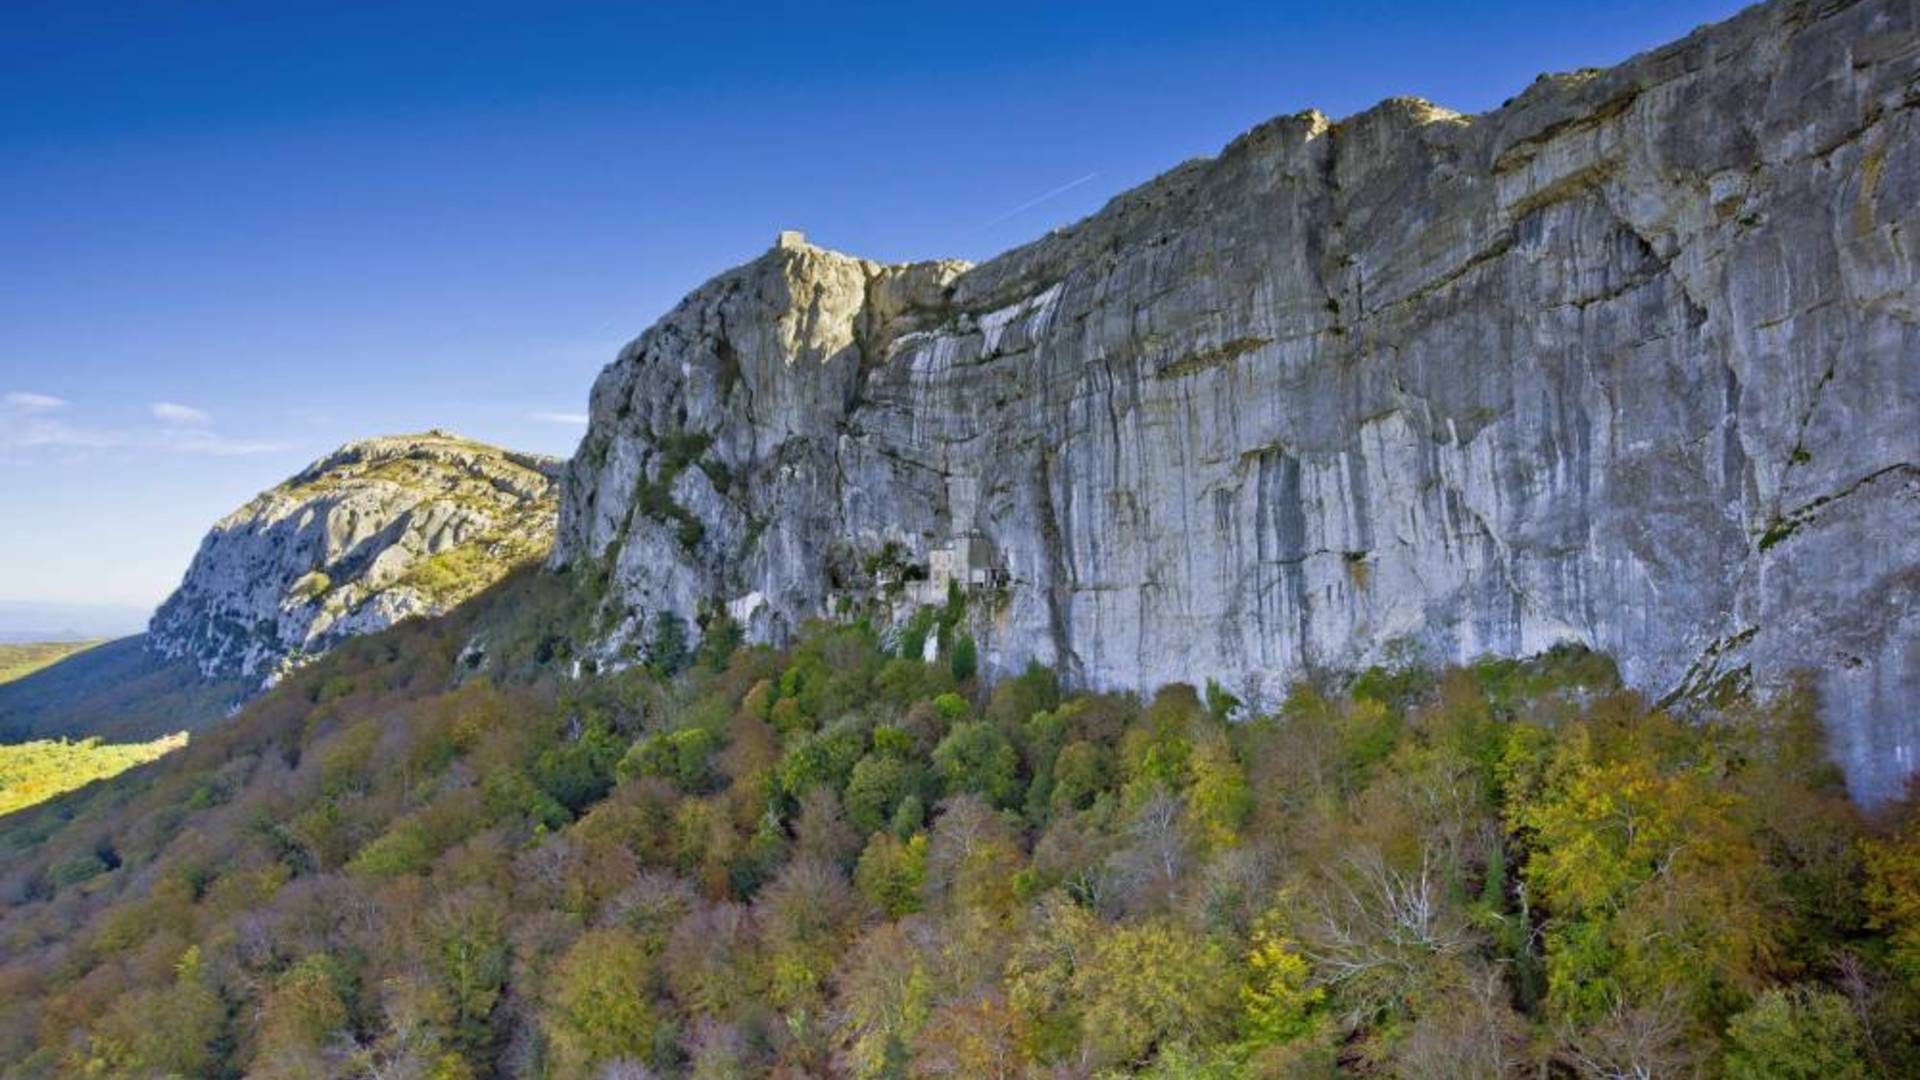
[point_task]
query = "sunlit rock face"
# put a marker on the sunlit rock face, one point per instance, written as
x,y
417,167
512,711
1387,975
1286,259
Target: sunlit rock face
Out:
x,y
1632,361
376,532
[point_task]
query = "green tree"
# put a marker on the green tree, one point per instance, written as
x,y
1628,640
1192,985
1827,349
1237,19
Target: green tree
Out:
x,y
156,1032
1651,885
1796,1033
721,638
892,872
404,849
1015,701
306,1009
1893,893
965,659
1156,750
467,935
1080,773
578,772
909,816
1041,738
1150,985
885,993
1221,705
599,1003
824,758
1056,941
683,757
667,653
976,757
1220,799
876,788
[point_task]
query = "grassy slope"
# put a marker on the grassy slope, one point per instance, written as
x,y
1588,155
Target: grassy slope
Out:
x,y
17,661
33,772
80,693
116,691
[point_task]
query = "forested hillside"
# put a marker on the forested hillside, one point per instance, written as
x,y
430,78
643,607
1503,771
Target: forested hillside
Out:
x,y
430,854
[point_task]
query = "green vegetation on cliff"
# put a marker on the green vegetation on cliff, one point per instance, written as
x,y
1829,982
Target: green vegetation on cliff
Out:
x,y
835,861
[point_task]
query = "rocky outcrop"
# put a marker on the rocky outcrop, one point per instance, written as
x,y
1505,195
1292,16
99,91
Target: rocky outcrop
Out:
x,y
1632,361
379,531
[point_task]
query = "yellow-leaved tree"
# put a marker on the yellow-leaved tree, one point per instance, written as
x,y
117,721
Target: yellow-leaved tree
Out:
x,y
1650,884
1279,1002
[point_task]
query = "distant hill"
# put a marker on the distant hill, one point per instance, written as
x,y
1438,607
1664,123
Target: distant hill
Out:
x,y
378,531
18,660
119,691
25,622
68,636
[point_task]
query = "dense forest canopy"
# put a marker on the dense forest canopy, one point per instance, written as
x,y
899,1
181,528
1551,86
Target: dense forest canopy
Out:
x,y
435,854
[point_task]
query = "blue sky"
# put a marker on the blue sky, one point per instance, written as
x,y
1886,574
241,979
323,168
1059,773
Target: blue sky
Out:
x,y
235,235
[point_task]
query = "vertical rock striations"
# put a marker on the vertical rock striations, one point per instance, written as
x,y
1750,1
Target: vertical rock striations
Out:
x,y
1631,361
378,531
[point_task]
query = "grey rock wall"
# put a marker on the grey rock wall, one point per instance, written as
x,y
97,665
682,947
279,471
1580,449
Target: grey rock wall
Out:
x,y
1633,361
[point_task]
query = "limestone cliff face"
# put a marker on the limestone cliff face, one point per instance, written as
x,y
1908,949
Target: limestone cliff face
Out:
x,y
376,532
1633,361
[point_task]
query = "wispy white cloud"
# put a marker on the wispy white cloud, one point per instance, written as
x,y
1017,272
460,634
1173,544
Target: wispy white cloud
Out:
x,y
30,430
169,412
577,419
20,399
37,422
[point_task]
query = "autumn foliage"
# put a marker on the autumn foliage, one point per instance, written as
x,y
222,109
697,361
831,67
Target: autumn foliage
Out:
x,y
839,861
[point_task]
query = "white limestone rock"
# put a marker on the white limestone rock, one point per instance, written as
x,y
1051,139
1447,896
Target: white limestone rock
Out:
x,y
1632,361
379,531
